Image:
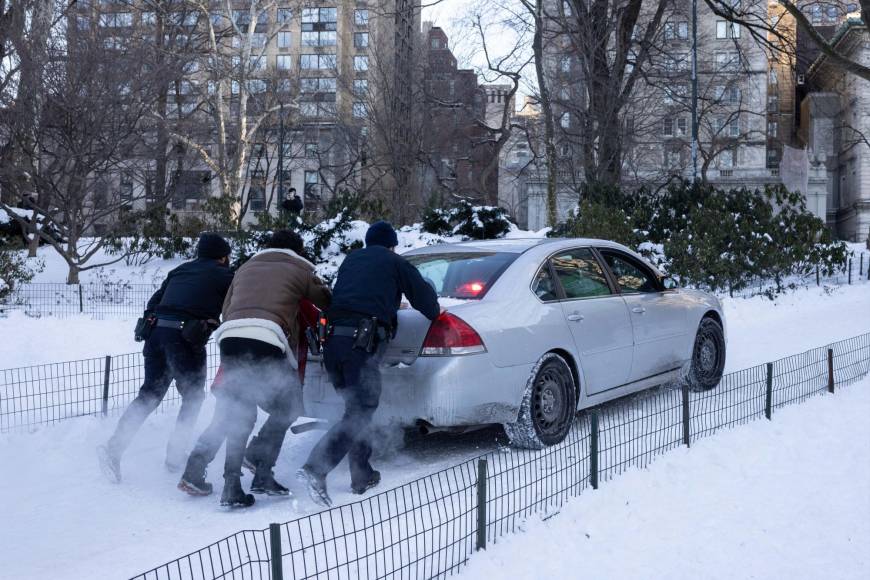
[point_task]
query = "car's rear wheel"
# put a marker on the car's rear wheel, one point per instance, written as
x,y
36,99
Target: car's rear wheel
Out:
x,y
708,356
548,407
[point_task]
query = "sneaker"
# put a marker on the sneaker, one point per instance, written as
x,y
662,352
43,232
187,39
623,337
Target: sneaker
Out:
x,y
316,486
264,482
110,463
195,483
233,494
373,480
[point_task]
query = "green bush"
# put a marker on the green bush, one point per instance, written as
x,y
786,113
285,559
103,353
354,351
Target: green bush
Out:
x,y
714,239
15,270
467,220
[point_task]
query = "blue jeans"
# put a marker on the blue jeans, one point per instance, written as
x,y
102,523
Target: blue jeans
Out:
x,y
167,356
357,378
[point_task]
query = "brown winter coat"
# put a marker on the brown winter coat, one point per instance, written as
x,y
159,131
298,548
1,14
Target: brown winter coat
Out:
x,y
270,285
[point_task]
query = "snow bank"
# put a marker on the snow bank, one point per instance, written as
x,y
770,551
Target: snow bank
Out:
x,y
781,499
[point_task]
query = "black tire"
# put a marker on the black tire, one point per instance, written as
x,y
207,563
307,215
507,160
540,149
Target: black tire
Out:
x,y
708,357
548,407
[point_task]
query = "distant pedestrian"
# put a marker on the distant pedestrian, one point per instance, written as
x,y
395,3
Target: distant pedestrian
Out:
x,y
257,343
361,320
177,322
293,204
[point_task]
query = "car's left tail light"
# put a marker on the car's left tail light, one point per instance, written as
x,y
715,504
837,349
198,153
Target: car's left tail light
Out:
x,y
449,335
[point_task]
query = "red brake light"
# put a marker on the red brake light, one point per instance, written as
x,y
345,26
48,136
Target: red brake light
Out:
x,y
470,290
449,335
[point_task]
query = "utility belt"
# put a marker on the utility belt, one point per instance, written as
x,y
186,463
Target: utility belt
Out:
x,y
367,334
195,332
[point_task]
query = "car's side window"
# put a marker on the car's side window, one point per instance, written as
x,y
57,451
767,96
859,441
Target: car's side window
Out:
x,y
580,274
630,277
544,287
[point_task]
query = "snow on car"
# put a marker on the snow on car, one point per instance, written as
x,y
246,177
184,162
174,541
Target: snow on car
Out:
x,y
534,330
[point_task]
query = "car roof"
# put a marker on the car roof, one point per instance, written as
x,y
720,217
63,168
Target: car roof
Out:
x,y
511,245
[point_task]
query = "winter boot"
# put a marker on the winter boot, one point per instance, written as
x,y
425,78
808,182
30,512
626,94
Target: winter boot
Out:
x,y
233,494
316,486
110,463
373,480
193,481
264,482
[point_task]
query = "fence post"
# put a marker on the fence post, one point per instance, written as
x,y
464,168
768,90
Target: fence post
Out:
x,y
850,270
818,281
686,424
107,371
830,370
481,504
861,267
768,395
593,450
275,557
81,300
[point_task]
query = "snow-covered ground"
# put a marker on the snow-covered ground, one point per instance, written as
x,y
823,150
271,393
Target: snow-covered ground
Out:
x,y
65,516
787,499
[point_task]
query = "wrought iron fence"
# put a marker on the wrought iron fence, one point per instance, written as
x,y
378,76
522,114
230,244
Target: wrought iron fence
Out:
x,y
429,528
43,394
96,299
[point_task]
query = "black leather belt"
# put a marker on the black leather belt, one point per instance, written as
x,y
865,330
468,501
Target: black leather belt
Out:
x,y
164,323
344,331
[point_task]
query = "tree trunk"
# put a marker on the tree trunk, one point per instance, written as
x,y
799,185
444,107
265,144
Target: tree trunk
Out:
x,y
72,276
32,238
547,110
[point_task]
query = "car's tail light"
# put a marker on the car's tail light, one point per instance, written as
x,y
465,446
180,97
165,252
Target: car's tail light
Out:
x,y
470,290
449,335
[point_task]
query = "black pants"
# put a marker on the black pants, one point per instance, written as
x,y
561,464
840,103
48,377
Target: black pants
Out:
x,y
357,378
256,374
167,356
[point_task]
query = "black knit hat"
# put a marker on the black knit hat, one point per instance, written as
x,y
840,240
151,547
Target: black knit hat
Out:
x,y
212,247
382,234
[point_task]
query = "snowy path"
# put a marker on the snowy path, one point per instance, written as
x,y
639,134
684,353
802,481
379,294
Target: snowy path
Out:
x,y
68,517
788,499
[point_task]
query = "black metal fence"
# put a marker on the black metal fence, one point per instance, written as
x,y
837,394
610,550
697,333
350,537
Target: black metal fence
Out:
x,y
428,528
122,300
43,394
96,299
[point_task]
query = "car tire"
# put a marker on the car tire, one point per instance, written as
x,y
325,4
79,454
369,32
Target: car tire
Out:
x,y
548,407
708,357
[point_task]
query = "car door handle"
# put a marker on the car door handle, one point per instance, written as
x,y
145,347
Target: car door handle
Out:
x,y
638,309
575,317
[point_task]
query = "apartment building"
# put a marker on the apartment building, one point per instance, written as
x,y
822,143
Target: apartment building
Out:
x,y
296,86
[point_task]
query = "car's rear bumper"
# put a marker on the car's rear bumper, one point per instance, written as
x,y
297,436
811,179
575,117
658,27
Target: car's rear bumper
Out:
x,y
442,391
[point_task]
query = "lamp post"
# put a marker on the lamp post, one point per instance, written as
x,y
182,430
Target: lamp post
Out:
x,y
694,91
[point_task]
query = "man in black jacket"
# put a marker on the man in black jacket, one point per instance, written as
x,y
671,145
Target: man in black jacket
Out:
x,y
191,293
370,284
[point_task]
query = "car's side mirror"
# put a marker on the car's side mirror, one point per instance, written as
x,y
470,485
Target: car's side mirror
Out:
x,y
669,283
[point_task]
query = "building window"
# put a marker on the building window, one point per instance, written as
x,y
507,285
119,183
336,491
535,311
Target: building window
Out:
x,y
772,157
285,15
319,26
285,39
284,62
125,190
361,17
359,110
726,159
317,85
565,64
257,191
257,63
116,19
242,18
360,87
317,61
668,127
435,43
772,128
565,120
256,86
258,39
677,30
772,103
148,18
83,23
682,126
360,39
726,29
727,61
311,150
284,85
360,63
771,77
312,185
317,109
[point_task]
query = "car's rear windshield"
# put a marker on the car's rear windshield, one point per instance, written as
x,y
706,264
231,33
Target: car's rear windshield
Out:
x,y
462,274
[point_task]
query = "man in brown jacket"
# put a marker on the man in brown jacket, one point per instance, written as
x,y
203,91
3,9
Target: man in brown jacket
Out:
x,y
257,341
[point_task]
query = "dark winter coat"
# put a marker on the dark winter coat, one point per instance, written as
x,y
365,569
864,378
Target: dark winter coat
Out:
x,y
371,283
193,290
